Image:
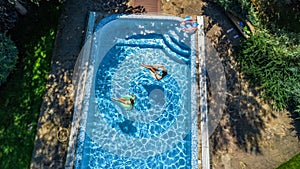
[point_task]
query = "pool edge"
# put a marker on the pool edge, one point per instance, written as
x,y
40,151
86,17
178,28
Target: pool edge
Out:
x,y
76,119
70,162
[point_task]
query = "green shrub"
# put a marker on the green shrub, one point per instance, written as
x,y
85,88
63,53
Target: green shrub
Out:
x,y
272,63
271,58
8,57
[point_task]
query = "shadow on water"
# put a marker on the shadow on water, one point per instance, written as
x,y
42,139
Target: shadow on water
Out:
x,y
242,121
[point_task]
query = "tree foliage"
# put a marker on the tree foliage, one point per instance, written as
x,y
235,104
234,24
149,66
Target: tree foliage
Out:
x,y
272,63
37,2
271,14
279,14
8,15
243,7
21,96
8,56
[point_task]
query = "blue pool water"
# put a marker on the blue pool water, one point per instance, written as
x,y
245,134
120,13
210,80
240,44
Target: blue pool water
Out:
x,y
156,133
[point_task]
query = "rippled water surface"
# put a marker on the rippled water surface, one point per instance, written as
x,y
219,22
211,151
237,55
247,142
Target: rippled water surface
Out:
x,y
156,133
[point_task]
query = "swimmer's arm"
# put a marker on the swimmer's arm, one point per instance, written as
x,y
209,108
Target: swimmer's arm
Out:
x,y
120,100
133,96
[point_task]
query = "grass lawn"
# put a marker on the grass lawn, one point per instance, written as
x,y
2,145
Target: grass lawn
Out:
x,y
21,96
293,163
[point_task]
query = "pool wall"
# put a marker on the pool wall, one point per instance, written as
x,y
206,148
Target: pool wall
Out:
x,y
79,83
87,69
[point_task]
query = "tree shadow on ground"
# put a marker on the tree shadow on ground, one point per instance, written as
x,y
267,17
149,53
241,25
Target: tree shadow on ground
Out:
x,y
115,7
296,123
242,121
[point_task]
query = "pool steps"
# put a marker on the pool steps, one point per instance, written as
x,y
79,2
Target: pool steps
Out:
x,y
171,47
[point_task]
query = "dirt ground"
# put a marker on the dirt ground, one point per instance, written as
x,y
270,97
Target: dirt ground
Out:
x,y
249,134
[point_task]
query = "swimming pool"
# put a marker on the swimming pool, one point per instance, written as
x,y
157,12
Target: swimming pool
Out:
x,y
160,131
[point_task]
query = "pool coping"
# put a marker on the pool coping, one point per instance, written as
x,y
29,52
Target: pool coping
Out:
x,y
71,152
205,160
77,118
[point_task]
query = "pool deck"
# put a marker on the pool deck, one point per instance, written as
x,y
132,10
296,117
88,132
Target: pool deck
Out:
x,y
151,6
